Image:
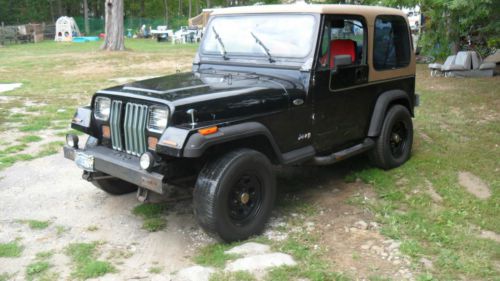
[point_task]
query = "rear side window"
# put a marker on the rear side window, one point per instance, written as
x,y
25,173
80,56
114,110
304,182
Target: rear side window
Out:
x,y
391,48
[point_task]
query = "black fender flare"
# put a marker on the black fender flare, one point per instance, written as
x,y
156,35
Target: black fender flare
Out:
x,y
381,106
197,144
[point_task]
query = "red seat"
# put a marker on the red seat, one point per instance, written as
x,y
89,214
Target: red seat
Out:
x,y
342,47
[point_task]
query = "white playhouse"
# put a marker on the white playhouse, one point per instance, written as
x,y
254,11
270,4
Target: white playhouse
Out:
x,y
66,29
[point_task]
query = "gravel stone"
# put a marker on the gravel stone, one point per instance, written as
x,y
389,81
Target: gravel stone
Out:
x,y
250,248
259,263
194,273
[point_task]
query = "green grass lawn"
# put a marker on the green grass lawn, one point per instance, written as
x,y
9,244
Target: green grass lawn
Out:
x,y
457,129
58,77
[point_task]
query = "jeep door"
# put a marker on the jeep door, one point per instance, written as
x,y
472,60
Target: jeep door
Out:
x,y
341,99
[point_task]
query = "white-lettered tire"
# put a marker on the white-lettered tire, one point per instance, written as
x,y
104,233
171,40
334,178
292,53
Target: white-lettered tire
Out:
x,y
234,195
393,145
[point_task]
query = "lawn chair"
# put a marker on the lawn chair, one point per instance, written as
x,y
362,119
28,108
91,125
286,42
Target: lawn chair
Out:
x,y
436,68
468,64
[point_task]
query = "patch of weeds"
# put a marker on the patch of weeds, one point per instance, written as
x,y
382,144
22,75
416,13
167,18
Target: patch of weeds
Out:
x,y
36,224
29,139
156,269
10,250
151,213
119,254
6,276
411,248
49,276
36,269
72,131
44,255
35,125
87,266
379,278
213,255
148,210
154,224
350,178
61,229
92,228
296,205
312,264
286,273
14,149
232,276
50,148
7,161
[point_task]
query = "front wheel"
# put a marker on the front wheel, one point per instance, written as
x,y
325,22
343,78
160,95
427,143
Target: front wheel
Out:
x,y
114,186
393,146
234,195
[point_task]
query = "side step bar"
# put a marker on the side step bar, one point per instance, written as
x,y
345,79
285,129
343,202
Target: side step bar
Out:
x,y
343,154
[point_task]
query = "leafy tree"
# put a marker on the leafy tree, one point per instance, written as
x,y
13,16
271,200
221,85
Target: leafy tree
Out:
x,y
449,21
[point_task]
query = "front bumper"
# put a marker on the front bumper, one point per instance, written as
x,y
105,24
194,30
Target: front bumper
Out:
x,y
120,165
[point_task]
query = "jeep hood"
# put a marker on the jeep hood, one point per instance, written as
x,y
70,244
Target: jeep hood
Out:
x,y
187,88
216,97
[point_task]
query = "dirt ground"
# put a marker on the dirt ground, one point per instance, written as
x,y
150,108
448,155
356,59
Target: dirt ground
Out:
x,y
51,189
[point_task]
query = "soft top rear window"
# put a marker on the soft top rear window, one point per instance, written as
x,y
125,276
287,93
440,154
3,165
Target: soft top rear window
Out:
x,y
391,48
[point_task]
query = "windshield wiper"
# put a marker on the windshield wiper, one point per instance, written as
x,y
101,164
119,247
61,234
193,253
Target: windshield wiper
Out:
x,y
263,47
219,39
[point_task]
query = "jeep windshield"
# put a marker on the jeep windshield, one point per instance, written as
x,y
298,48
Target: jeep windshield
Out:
x,y
267,36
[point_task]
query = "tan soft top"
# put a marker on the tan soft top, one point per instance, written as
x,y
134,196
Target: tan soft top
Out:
x,y
311,8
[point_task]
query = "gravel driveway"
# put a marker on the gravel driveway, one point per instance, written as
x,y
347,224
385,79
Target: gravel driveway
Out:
x,y
51,189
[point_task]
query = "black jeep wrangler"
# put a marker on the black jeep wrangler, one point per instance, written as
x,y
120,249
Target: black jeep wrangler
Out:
x,y
271,85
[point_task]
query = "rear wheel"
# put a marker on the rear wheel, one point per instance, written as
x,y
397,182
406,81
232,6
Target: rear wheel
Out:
x,y
234,195
393,146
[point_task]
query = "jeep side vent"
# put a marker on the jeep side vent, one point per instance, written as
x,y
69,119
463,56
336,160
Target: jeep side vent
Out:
x,y
134,128
114,123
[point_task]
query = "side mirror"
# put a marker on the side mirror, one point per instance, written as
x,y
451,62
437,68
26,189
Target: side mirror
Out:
x,y
341,60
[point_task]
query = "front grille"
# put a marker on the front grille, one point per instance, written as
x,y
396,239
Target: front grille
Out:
x,y
114,123
132,130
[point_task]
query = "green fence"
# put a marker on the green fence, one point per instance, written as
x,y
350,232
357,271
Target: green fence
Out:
x,y
96,26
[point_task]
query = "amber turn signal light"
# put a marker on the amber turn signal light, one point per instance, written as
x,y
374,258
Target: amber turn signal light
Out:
x,y
106,133
152,142
208,131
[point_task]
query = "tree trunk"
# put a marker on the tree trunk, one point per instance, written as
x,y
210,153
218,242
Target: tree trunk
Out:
x,y
179,10
114,40
86,16
165,4
208,4
52,16
142,11
59,8
190,8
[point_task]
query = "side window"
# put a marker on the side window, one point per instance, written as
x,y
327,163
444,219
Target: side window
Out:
x,y
391,48
343,36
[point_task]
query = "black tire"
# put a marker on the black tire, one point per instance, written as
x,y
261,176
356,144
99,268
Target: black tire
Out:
x,y
234,195
115,186
393,145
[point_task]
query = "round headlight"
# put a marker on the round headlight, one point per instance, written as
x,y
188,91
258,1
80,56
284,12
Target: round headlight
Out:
x,y
146,161
72,140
